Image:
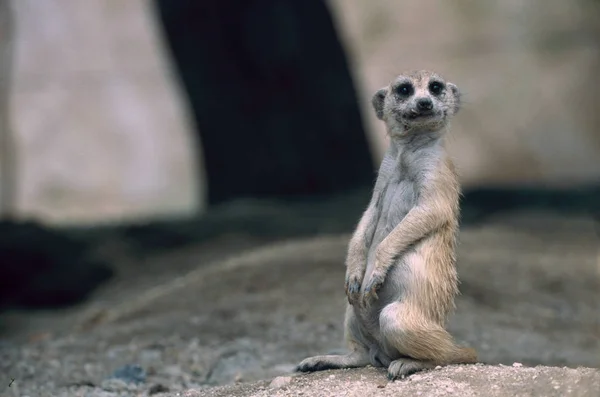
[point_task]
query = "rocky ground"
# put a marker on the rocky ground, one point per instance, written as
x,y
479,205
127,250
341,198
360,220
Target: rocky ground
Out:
x,y
224,317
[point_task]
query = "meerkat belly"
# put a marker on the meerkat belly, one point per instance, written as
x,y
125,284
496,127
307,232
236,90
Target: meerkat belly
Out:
x,y
397,198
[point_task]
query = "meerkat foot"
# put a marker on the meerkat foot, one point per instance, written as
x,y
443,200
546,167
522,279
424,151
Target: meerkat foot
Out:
x,y
333,361
379,358
404,367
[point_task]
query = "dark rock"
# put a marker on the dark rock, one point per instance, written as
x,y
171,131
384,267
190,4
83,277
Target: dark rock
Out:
x,y
44,268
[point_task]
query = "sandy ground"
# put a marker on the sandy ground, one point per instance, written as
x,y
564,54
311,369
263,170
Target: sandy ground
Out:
x,y
250,311
464,381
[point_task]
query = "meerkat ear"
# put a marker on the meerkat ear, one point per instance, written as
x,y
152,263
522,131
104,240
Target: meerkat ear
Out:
x,y
456,93
377,102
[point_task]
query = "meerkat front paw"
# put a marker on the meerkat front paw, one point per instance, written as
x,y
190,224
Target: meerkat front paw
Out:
x,y
372,287
352,287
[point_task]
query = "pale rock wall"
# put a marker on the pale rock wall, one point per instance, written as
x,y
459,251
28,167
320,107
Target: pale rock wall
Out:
x,y
101,128
103,133
528,71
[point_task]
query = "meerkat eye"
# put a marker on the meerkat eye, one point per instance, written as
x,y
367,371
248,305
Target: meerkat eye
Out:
x,y
405,89
436,88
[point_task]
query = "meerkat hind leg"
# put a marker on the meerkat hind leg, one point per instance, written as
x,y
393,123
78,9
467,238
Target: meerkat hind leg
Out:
x,y
424,343
359,355
334,361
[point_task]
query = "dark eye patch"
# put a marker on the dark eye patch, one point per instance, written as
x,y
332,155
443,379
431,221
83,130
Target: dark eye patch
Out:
x,y
436,87
405,89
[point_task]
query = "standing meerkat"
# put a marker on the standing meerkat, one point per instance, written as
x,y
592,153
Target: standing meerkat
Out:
x,y
401,277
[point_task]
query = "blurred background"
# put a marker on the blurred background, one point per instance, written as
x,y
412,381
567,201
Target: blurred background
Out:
x,y
102,126
132,131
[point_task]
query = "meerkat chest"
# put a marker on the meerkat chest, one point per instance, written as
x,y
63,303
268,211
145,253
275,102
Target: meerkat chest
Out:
x,y
398,195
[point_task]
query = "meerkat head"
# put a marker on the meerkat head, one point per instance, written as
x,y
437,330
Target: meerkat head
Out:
x,y
416,102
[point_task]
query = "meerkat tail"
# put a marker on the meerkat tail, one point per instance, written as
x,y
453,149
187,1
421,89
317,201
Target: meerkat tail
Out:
x,y
434,344
412,334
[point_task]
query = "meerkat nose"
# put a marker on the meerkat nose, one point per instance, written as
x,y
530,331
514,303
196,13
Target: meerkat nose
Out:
x,y
424,104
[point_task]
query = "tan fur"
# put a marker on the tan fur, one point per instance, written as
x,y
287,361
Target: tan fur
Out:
x,y
401,278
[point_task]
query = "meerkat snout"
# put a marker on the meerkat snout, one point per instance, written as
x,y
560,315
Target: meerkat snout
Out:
x,y
416,101
424,104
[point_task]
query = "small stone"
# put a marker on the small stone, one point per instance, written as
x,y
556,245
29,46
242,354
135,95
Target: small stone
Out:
x,y
54,364
438,367
150,355
114,384
130,374
280,381
173,371
517,365
331,376
191,393
91,370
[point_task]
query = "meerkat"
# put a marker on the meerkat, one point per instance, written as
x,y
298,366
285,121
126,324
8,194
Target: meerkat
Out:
x,y
401,277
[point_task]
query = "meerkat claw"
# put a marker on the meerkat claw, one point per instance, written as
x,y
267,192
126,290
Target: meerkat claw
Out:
x,y
352,289
370,292
369,296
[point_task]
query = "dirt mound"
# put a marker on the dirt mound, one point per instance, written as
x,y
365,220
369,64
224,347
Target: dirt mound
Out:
x,y
529,295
